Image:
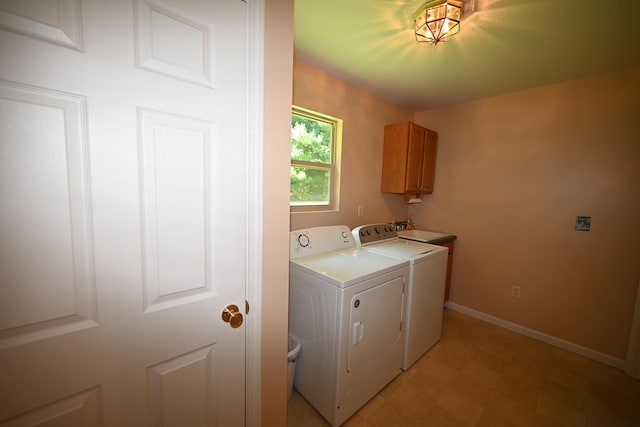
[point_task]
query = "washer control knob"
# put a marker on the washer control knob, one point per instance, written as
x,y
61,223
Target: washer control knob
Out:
x,y
303,240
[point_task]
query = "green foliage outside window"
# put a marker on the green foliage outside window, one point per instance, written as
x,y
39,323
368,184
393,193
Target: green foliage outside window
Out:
x,y
310,139
311,160
309,186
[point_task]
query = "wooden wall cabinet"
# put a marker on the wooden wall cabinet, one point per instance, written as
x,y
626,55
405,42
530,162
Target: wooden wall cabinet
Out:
x,y
408,159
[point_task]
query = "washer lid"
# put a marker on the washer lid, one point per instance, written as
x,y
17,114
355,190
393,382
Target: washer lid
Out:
x,y
348,266
421,235
407,249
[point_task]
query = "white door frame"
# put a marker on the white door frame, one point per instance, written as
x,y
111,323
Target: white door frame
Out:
x,y
255,214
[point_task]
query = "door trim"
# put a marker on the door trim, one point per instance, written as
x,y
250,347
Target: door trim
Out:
x,y
255,140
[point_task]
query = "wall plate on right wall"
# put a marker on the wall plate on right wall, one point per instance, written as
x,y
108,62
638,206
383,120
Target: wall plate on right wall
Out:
x,y
583,223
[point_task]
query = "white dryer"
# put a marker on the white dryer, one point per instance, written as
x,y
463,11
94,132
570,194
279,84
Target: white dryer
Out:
x,y
425,293
346,305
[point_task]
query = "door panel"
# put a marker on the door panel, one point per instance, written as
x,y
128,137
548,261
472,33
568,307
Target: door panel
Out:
x,y
44,150
178,195
371,333
56,21
161,26
119,245
428,170
414,158
182,391
81,409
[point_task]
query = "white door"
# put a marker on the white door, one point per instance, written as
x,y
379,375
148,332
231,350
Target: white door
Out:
x,y
123,175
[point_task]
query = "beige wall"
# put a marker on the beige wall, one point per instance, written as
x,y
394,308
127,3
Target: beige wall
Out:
x,y
512,174
364,118
278,63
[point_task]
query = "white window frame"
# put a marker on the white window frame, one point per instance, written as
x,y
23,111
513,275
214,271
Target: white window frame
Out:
x,y
333,167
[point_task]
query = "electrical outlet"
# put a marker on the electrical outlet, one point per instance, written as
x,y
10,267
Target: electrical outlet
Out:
x,y
515,291
360,210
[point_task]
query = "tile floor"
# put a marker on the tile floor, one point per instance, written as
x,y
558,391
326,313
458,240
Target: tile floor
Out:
x,y
480,374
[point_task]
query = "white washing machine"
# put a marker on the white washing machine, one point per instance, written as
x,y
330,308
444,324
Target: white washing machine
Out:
x,y
346,305
425,293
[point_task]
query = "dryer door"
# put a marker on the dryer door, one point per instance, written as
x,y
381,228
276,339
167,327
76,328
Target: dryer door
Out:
x,y
375,322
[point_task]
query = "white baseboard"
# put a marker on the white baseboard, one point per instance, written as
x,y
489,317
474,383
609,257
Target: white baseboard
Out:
x,y
558,342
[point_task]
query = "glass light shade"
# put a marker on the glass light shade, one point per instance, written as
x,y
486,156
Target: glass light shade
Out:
x,y
437,20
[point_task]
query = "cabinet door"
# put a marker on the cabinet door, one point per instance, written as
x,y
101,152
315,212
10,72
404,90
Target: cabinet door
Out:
x,y
414,173
428,162
394,158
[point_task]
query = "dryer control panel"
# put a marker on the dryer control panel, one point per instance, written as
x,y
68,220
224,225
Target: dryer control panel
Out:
x,y
373,233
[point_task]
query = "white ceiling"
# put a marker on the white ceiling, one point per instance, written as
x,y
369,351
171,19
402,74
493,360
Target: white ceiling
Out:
x,y
503,46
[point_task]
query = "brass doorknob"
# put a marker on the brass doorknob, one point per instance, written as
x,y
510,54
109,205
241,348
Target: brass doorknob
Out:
x,y
231,314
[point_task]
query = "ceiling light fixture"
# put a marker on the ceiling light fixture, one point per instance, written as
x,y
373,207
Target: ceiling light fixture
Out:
x,y
437,20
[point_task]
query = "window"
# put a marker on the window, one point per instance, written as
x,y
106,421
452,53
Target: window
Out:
x,y
315,161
